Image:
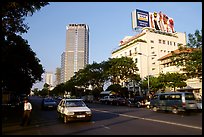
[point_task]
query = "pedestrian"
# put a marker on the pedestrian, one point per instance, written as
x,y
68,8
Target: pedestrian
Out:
x,y
26,113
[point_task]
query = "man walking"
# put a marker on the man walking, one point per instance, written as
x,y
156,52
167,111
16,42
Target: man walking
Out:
x,y
26,113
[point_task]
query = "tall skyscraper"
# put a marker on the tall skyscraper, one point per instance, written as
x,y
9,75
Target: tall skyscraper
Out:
x,y
76,54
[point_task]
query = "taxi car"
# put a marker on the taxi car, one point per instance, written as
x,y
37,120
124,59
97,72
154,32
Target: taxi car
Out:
x,y
73,110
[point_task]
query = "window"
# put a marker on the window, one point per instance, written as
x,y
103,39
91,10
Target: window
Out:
x,y
159,40
151,41
135,50
164,97
163,41
136,60
130,53
175,97
189,96
155,97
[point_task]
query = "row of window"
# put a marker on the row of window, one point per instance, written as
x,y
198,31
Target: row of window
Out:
x,y
166,41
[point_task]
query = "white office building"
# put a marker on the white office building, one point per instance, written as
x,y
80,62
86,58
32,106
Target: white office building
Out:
x,y
147,47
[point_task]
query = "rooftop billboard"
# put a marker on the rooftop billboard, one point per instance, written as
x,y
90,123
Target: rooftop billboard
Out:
x,y
155,20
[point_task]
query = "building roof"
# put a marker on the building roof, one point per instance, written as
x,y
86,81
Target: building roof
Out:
x,y
177,51
131,38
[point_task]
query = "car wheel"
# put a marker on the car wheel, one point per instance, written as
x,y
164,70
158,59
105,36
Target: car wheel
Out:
x,y
138,104
65,119
175,110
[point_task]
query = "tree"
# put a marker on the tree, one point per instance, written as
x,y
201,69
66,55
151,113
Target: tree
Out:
x,y
190,56
116,88
121,69
20,66
174,80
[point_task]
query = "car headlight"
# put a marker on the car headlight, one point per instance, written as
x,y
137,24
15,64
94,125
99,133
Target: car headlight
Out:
x,y
70,113
88,112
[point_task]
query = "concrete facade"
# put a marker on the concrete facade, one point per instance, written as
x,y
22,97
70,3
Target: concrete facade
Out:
x,y
76,54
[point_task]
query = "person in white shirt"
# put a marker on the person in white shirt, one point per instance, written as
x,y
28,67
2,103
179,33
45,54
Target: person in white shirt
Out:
x,y
26,113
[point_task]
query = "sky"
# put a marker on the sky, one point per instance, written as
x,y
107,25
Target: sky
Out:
x,y
109,23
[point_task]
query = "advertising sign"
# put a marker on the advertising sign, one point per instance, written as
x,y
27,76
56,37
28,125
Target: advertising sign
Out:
x,y
157,21
142,18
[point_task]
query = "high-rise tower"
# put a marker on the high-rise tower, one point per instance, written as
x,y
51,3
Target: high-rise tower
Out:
x,y
76,54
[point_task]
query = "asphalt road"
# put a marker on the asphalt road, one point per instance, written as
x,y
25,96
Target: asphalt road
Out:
x,y
107,120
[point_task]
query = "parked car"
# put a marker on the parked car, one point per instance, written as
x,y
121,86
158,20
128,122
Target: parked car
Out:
x,y
73,110
108,99
138,101
48,103
173,101
119,101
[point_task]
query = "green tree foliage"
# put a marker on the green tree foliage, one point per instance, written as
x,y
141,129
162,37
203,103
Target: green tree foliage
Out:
x,y
20,66
97,74
115,87
121,69
174,80
190,56
59,89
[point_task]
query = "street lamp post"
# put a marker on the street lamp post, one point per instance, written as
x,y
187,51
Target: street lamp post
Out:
x,y
147,70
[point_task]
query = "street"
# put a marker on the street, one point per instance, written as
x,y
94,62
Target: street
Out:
x,y
107,120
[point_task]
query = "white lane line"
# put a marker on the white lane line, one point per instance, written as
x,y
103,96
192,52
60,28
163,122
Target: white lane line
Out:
x,y
149,119
105,127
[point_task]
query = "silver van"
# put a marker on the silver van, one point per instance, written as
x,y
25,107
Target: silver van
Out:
x,y
173,101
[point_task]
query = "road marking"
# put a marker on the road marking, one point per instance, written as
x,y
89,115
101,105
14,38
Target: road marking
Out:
x,y
105,127
149,119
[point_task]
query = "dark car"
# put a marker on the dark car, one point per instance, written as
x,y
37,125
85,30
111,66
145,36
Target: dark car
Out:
x,y
138,101
48,103
119,101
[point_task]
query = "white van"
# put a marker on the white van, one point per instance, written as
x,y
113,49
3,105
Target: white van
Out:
x,y
173,101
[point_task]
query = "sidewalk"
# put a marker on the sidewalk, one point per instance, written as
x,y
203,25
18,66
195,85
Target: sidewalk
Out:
x,y
11,115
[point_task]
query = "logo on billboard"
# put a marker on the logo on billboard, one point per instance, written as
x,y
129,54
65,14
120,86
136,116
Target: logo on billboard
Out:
x,y
157,21
142,18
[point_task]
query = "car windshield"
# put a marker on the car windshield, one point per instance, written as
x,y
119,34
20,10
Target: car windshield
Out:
x,y
49,100
75,103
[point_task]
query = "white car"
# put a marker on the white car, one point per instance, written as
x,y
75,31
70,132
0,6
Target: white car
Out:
x,y
73,109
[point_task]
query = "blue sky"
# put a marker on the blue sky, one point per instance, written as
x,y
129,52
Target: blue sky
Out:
x,y
109,23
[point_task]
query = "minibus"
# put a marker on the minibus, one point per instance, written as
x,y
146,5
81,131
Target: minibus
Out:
x,y
173,101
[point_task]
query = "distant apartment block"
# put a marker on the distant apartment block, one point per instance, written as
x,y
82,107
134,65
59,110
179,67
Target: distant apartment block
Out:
x,y
76,54
57,76
49,78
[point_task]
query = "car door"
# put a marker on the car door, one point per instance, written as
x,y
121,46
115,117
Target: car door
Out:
x,y
59,107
